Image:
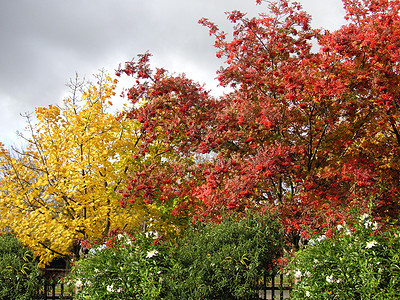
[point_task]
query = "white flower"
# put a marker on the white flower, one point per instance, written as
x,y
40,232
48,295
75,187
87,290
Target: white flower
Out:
x,y
308,294
96,270
339,227
297,274
375,226
371,244
120,237
110,288
321,238
367,224
78,283
329,279
89,283
151,253
152,234
363,217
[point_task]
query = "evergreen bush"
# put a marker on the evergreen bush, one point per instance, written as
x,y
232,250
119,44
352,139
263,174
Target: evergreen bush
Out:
x,y
226,260
19,272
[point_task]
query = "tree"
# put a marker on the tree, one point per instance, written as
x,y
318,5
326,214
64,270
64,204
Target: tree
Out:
x,y
364,56
308,133
175,110
65,185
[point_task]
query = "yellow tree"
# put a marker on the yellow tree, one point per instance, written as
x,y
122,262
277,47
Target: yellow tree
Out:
x,y
65,185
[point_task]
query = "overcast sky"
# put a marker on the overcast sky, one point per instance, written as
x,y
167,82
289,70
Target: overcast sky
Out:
x,y
45,42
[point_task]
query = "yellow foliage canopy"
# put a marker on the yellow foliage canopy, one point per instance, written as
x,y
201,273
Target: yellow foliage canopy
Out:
x,y
65,185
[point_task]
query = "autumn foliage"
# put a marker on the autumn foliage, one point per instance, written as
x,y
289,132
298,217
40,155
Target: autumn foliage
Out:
x,y
65,185
308,126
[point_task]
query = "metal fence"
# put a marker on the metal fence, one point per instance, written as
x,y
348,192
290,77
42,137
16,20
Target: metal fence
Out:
x,y
275,287
271,287
53,287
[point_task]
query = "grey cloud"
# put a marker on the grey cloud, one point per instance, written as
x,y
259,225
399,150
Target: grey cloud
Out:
x,y
44,42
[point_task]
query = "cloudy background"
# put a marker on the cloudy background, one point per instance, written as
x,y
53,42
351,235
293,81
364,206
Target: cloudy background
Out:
x,y
43,43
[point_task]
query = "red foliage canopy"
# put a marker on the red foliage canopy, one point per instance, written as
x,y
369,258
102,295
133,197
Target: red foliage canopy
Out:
x,y
307,133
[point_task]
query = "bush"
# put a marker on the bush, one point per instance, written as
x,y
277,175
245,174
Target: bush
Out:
x,y
225,261
19,273
349,263
124,267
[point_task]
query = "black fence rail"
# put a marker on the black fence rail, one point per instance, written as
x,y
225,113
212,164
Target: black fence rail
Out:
x,y
54,287
275,287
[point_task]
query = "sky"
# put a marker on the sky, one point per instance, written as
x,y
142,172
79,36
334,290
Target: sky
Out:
x,y
45,43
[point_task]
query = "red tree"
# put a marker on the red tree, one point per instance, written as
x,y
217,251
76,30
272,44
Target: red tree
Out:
x,y
308,133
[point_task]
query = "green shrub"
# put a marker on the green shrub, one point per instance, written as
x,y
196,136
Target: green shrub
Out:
x,y
124,267
19,273
349,263
225,261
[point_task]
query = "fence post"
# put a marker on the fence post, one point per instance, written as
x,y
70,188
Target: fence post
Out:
x,y
62,290
265,285
45,289
53,286
273,287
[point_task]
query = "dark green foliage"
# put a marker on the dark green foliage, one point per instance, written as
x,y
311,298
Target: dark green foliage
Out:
x,y
19,272
225,261
350,262
124,267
